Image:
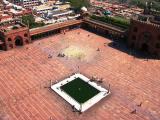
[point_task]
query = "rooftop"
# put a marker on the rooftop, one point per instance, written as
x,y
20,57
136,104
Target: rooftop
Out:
x,y
110,26
50,27
26,73
150,19
43,7
16,27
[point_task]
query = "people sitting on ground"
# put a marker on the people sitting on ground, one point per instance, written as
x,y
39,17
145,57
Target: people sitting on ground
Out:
x,y
134,111
61,55
95,78
140,104
100,80
98,49
49,56
92,79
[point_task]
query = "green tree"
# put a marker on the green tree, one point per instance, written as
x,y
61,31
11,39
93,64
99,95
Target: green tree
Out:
x,y
116,21
142,4
30,21
77,4
156,5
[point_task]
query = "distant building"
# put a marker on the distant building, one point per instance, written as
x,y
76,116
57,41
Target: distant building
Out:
x,y
59,13
5,17
14,10
27,3
43,8
1,6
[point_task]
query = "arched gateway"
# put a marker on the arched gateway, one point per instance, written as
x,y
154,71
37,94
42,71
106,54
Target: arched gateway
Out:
x,y
18,41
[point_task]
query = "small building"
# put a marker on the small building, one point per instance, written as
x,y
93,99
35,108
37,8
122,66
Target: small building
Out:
x,y
13,34
27,3
5,17
57,14
144,33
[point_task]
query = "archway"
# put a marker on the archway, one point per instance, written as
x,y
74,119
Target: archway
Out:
x,y
144,47
106,32
132,45
18,41
1,47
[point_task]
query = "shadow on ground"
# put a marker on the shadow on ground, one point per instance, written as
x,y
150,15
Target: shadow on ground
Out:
x,y
122,46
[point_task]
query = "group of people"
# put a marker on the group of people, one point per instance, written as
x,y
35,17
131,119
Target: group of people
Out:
x,y
61,55
95,78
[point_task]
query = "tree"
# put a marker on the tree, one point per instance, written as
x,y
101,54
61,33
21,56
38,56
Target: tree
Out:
x,y
14,27
30,21
78,4
116,21
142,4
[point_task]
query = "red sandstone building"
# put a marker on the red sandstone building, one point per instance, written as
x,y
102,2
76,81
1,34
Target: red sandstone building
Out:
x,y
14,34
144,34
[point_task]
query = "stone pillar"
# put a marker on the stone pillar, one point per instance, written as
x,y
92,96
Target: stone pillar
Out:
x,y
29,37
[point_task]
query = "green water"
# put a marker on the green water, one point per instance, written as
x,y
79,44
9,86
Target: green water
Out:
x,y
80,90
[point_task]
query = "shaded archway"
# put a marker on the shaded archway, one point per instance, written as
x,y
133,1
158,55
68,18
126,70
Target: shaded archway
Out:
x,y
106,32
1,47
132,45
18,41
144,47
145,37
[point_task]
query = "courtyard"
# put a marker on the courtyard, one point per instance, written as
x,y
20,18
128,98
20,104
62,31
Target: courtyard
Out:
x,y
80,91
26,74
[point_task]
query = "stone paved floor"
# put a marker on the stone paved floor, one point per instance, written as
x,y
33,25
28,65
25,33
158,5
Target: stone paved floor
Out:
x,y
27,72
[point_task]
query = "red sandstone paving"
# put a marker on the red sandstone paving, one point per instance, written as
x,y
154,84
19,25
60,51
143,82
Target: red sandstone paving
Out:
x,y
25,75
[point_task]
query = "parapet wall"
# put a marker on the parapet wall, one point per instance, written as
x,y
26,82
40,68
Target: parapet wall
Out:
x,y
145,23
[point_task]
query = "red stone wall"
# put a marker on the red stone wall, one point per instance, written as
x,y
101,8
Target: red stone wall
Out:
x,y
11,37
143,34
